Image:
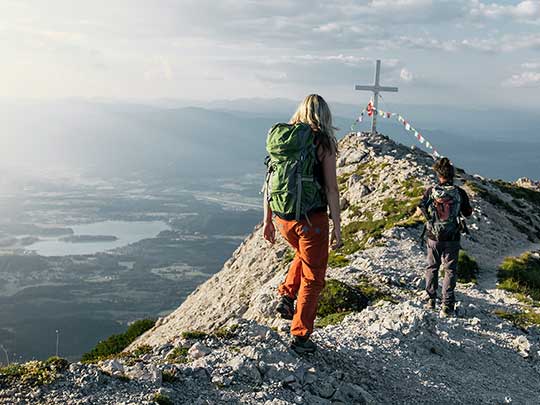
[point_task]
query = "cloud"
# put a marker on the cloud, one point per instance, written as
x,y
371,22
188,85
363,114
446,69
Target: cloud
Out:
x,y
276,77
350,60
406,75
409,11
420,42
316,25
502,43
160,68
520,42
481,44
314,69
330,27
528,10
524,79
177,44
531,65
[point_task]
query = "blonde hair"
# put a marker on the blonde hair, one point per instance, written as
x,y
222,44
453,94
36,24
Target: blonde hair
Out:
x,y
315,112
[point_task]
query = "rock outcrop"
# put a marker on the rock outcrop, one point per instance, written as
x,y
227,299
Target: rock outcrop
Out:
x,y
394,351
528,183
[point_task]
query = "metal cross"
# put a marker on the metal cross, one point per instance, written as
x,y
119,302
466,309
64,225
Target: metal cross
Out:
x,y
376,89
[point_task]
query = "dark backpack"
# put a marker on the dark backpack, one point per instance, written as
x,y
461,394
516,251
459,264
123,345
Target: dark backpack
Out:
x,y
444,207
292,186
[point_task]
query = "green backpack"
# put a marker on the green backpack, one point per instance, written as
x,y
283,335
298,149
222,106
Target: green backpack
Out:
x,y
291,185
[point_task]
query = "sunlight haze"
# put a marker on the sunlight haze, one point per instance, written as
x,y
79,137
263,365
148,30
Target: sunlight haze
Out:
x,y
459,52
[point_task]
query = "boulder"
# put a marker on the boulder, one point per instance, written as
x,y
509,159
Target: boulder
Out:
x,y
198,350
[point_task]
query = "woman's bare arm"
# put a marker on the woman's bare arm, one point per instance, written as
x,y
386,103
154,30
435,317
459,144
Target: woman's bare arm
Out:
x,y
269,231
328,160
267,209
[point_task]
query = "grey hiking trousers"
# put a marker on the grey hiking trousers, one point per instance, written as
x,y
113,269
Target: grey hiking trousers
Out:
x,y
445,254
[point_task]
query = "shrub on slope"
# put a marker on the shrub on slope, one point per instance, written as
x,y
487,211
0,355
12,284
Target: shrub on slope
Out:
x,y
521,275
117,343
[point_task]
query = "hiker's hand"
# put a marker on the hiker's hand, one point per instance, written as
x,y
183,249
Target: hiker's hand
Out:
x,y
269,232
418,212
335,240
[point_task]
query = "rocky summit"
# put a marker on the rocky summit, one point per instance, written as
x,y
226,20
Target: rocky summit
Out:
x,y
224,344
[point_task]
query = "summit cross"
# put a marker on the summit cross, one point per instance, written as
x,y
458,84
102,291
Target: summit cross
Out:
x,y
376,89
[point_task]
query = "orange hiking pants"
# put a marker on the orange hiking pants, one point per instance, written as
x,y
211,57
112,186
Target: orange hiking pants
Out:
x,y
305,279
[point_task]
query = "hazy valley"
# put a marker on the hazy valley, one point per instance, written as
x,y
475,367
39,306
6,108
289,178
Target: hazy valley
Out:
x,y
182,236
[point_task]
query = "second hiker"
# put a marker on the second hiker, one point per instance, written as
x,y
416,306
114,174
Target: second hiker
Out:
x,y
300,185
443,205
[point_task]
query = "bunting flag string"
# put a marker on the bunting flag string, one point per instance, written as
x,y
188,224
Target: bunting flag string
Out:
x,y
370,110
358,120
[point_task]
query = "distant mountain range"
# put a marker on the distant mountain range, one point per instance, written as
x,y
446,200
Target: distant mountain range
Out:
x,y
186,139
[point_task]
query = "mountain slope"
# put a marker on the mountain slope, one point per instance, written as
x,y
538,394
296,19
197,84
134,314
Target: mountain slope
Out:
x,y
373,171
393,351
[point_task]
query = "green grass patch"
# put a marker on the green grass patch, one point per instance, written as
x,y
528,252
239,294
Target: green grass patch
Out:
x,y
336,260
361,170
371,292
339,300
33,373
338,297
351,242
467,271
413,188
169,377
356,210
142,350
194,335
178,355
525,299
521,275
226,333
161,399
117,343
521,319
332,319
398,213
342,182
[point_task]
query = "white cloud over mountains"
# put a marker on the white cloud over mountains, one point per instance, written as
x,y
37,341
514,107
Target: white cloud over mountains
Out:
x,y
524,79
528,78
234,48
528,10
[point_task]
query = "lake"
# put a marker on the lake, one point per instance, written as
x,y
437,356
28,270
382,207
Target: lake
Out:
x,y
126,232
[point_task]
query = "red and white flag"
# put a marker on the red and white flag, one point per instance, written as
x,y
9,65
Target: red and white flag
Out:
x,y
370,108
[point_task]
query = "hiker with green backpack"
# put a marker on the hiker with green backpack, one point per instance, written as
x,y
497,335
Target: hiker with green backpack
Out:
x,y
300,185
443,206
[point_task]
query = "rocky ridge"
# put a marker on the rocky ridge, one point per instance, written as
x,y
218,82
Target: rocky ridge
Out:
x,y
391,352
528,183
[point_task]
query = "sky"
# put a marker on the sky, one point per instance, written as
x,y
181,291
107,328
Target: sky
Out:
x,y
479,53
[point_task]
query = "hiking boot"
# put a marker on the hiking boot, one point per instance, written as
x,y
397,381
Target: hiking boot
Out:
x,y
286,307
430,304
303,344
447,311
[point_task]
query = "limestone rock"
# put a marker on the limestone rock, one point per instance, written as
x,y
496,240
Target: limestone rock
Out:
x,y
198,350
